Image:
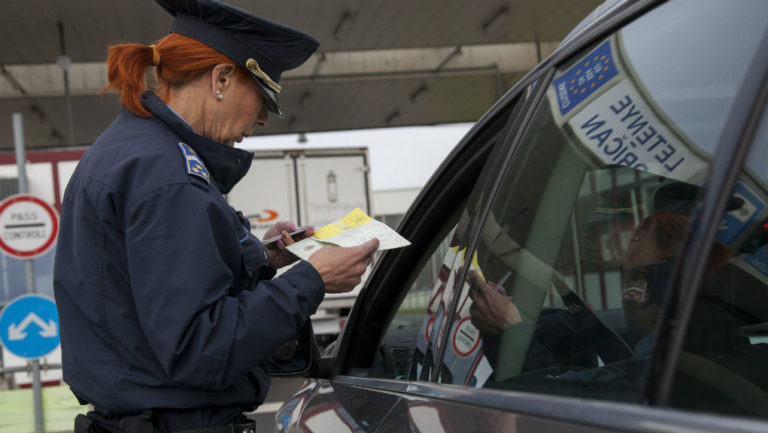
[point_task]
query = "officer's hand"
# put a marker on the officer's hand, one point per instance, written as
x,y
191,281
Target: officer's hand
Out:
x,y
278,255
491,311
342,268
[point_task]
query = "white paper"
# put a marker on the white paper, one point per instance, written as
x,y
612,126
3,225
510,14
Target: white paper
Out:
x,y
354,229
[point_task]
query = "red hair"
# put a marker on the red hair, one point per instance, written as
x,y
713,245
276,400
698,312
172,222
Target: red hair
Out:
x,y
671,229
181,60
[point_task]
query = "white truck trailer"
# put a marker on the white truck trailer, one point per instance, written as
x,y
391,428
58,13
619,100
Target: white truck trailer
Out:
x,y
309,187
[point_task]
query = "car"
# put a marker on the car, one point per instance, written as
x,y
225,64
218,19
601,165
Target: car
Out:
x,y
592,256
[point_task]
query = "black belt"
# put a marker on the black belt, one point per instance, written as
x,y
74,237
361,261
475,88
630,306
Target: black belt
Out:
x,y
232,428
147,423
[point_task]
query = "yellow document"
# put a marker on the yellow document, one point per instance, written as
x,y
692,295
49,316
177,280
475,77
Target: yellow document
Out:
x,y
354,229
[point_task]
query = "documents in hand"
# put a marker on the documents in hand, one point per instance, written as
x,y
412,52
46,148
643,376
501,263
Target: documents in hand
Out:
x,y
354,229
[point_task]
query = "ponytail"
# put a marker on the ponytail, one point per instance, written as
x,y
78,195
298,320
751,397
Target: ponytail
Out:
x,y
179,59
126,68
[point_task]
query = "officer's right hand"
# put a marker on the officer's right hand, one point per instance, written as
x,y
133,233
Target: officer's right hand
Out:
x,y
342,268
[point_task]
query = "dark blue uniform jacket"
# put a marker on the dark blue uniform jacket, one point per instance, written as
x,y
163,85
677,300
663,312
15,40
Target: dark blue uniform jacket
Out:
x,y
165,298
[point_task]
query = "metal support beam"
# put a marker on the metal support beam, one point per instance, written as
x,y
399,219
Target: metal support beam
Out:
x,y
64,63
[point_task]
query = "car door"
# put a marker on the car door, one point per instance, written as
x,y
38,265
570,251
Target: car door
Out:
x,y
588,250
383,334
621,217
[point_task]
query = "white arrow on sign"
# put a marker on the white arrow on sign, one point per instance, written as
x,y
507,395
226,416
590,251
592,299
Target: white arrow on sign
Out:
x,y
16,332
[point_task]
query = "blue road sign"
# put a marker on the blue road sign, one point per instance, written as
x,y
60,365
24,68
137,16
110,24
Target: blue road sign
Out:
x,y
29,326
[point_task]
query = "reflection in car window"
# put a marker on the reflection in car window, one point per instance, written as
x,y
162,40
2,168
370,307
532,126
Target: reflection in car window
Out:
x,y
398,348
696,91
415,326
722,365
566,290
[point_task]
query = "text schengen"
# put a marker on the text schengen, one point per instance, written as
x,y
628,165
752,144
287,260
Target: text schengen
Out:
x,y
636,143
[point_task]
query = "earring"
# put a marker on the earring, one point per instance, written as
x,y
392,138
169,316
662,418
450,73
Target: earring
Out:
x,y
219,95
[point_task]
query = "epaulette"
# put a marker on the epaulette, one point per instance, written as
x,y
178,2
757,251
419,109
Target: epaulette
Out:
x,y
194,164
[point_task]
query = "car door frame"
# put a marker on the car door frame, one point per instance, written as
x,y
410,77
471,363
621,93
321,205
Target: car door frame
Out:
x,y
631,417
411,226
731,151
377,300
376,297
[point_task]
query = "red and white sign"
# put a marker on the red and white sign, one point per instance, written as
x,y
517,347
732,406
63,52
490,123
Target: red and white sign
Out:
x,y
466,338
428,330
28,226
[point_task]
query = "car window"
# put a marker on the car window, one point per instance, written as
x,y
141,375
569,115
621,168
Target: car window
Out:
x,y
722,365
399,345
406,348
575,260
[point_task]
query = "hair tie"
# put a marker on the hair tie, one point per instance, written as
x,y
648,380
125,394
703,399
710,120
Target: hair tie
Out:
x,y
155,55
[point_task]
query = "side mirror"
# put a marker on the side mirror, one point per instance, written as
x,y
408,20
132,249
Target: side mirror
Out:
x,y
295,357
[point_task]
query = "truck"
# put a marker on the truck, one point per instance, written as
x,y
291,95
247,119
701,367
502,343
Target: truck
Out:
x,y
309,187
305,186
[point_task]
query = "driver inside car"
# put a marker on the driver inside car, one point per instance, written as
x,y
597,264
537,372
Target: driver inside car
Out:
x,y
646,268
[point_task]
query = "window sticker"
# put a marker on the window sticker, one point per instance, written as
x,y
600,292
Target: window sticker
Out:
x,y
466,338
620,127
745,226
464,354
615,121
586,78
735,222
427,346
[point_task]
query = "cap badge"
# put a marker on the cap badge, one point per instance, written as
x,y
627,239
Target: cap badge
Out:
x,y
636,292
253,66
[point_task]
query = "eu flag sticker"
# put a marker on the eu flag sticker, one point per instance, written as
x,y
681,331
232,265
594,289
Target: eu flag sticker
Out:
x,y
585,77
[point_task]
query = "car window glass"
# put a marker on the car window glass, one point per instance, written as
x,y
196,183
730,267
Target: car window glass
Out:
x,y
399,345
410,344
696,91
446,294
722,365
567,286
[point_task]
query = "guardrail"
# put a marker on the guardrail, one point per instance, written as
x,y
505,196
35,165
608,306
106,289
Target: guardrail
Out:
x,y
28,368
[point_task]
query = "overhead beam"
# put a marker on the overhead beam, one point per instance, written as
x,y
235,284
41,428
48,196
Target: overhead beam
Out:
x,y
46,80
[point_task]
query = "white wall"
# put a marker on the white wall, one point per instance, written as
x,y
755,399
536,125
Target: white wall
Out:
x,y
39,179
393,201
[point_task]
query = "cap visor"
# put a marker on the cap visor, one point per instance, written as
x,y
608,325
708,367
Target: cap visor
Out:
x,y
274,105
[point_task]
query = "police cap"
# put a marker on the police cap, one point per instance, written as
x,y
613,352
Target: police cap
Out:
x,y
263,47
681,198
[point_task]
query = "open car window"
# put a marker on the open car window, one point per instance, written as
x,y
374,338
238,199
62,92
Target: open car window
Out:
x,y
567,287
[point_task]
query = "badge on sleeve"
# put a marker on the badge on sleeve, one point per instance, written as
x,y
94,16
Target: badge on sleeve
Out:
x,y
195,165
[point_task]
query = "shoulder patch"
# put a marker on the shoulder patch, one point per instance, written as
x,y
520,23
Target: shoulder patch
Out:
x,y
195,165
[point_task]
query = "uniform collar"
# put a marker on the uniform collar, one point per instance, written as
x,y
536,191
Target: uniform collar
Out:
x,y
226,164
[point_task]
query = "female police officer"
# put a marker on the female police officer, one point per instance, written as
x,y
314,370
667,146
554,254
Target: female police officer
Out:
x,y
168,304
